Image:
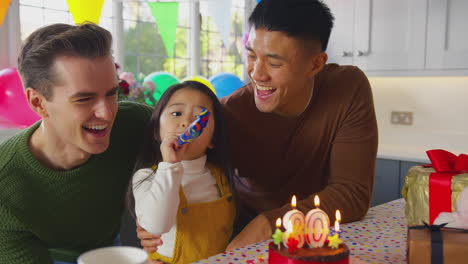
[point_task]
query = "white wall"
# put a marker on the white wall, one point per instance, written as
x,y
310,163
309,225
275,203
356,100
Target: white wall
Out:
x,y
439,106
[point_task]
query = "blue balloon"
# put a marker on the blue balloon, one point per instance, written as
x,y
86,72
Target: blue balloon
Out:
x,y
225,83
258,1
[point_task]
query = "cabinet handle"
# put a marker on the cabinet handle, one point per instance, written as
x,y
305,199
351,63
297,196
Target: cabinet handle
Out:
x,y
362,53
346,54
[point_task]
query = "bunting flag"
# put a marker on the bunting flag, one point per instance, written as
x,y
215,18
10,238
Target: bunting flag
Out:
x,y
3,9
166,16
85,10
220,11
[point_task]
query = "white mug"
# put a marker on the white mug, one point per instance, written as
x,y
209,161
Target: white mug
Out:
x,y
114,255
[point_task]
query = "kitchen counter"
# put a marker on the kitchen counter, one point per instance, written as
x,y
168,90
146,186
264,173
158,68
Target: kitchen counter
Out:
x,y
411,145
404,153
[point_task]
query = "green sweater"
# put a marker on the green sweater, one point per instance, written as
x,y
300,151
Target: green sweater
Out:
x,y
48,215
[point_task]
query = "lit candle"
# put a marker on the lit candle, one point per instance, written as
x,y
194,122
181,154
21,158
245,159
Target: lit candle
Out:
x,y
293,222
335,241
278,235
317,226
337,221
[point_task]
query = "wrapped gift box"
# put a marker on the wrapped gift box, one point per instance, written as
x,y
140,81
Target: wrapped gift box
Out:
x,y
454,246
416,193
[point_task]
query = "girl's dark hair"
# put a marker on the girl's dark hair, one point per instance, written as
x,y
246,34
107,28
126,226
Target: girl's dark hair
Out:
x,y
150,153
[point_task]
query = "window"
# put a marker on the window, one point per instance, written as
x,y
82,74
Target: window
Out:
x,y
38,13
144,49
216,58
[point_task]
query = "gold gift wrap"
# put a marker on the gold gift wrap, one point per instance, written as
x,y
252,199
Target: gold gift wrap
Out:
x,y
455,246
416,193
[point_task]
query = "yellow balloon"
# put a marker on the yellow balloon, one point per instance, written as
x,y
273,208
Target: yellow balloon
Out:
x,y
200,80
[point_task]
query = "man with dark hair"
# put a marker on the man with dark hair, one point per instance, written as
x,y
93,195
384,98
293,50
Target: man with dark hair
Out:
x,y
64,178
301,127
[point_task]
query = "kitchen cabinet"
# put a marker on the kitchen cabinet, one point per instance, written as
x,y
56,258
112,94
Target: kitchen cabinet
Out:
x,y
389,179
378,35
447,35
401,37
386,181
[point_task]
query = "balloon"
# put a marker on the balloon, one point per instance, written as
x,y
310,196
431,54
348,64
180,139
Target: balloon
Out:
x,y
162,81
13,104
258,1
225,83
200,80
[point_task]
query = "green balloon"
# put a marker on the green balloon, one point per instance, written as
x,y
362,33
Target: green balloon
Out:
x,y
162,81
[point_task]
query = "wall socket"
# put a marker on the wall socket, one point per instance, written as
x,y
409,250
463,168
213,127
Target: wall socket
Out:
x,y
401,118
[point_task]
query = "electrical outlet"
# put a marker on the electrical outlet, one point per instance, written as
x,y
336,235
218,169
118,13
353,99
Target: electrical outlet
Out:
x,y
401,118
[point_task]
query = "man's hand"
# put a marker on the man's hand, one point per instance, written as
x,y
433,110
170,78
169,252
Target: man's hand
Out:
x,y
149,242
256,231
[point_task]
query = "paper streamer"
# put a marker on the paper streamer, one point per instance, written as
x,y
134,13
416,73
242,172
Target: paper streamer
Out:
x,y
220,11
3,9
166,16
85,10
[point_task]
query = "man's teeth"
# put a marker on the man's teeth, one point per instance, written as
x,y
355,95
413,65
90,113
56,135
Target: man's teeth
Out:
x,y
101,127
263,88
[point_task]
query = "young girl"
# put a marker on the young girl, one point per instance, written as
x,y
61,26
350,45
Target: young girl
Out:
x,y
182,192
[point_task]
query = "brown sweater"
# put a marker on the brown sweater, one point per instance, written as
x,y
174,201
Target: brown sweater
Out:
x,y
329,150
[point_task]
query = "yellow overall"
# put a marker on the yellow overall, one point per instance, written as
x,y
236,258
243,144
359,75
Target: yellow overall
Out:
x,y
203,229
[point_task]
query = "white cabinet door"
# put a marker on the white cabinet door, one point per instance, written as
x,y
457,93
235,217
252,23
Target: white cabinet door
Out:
x,y
340,46
447,34
390,35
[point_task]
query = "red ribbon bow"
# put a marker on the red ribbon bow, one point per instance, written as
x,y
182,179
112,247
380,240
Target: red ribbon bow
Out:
x,y
446,166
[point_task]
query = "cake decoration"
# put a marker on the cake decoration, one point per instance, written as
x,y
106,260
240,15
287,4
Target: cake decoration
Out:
x,y
313,229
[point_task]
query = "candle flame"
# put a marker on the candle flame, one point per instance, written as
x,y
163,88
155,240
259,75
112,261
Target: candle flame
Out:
x,y
338,215
293,201
316,201
278,223
337,226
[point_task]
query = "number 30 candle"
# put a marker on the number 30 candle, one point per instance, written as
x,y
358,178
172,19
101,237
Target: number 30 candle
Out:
x,y
317,225
293,222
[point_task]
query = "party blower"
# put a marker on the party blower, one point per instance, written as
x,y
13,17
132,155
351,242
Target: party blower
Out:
x,y
195,129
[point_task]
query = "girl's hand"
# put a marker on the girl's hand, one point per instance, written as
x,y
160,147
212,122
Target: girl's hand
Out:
x,y
148,241
171,151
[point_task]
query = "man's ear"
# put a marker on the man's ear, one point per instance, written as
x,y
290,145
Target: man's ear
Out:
x,y
317,63
36,102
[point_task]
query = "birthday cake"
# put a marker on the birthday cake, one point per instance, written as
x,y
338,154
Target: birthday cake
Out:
x,y
308,255
306,239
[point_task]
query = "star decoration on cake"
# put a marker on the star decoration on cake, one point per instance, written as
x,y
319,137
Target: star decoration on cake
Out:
x,y
334,241
277,236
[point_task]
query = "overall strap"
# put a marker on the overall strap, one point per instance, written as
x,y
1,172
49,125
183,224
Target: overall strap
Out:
x,y
221,179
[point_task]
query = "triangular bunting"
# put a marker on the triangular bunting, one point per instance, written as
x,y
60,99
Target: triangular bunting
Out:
x,y
85,10
220,11
3,9
166,15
